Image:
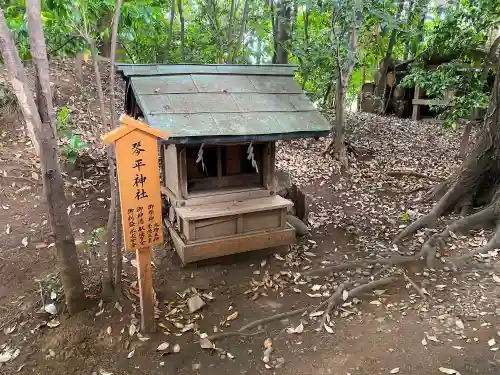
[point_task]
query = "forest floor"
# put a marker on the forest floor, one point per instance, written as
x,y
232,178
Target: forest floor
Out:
x,y
353,216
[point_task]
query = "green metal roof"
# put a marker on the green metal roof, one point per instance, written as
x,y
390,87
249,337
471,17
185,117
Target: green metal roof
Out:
x,y
197,103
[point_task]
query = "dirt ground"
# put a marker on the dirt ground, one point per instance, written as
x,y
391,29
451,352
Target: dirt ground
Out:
x,y
353,216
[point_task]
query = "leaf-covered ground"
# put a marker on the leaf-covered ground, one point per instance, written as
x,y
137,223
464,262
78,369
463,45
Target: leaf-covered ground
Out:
x,y
446,323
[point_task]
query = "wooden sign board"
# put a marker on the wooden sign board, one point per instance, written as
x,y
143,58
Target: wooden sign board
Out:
x,y
136,148
139,181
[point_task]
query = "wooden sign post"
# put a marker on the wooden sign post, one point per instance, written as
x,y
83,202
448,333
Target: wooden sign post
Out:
x,y
136,147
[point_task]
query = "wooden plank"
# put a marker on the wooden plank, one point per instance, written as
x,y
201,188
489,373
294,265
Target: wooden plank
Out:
x,y
269,161
263,220
219,165
276,70
215,228
171,170
430,102
146,293
182,165
235,244
256,102
223,195
416,108
233,208
239,224
223,83
163,85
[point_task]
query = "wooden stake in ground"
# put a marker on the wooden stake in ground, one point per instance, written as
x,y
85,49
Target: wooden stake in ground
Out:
x,y
136,147
146,292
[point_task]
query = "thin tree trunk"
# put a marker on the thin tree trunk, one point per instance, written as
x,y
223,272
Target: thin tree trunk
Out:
x,y
243,28
98,82
259,51
107,281
22,88
181,18
170,31
340,148
283,23
306,45
113,211
230,33
52,179
412,8
274,22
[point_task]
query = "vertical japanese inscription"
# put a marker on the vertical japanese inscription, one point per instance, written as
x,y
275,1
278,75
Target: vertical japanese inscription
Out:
x,y
139,179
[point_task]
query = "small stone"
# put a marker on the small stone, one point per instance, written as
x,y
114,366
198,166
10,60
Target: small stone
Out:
x,y
195,303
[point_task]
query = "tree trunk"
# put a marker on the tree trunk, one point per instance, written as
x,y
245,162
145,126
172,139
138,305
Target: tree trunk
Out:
x,y
170,32
79,67
230,33
181,18
107,280
98,82
283,22
340,94
242,30
113,211
52,179
305,76
464,143
274,24
21,87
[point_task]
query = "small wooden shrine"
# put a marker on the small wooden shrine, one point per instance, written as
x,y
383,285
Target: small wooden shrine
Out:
x,y
218,165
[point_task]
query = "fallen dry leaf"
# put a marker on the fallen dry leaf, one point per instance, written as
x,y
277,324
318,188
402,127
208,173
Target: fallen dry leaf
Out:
x,y
233,316
298,329
163,346
345,295
448,371
268,343
206,343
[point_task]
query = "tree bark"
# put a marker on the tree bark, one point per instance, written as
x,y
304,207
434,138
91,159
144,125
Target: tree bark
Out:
x,y
305,76
41,63
181,18
113,211
283,28
230,33
52,179
21,87
170,32
98,81
242,30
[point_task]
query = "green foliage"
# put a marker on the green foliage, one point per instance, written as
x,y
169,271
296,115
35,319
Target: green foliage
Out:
x,y
459,34
319,36
63,120
72,150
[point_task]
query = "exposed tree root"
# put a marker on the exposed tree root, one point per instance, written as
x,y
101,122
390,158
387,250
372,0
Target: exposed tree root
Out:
x,y
493,243
411,174
335,300
415,286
